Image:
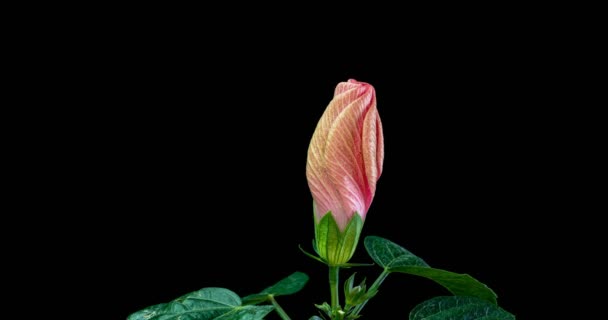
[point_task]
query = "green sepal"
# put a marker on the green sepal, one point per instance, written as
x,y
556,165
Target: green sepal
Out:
x,y
327,234
350,238
334,246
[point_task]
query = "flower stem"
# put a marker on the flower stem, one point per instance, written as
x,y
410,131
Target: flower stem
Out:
x,y
374,287
334,281
278,308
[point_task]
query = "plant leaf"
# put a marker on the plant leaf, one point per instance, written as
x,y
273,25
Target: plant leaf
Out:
x,y
244,313
458,308
457,283
289,285
388,254
394,258
204,304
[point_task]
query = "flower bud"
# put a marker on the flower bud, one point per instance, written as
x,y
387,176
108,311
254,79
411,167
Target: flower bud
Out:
x,y
344,163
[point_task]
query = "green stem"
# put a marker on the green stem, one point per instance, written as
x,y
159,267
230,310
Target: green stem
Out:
x,y
334,280
374,287
278,308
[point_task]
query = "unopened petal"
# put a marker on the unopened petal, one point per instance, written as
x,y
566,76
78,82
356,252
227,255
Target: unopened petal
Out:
x,y
346,153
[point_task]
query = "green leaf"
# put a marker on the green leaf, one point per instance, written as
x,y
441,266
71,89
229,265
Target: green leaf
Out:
x,y
204,304
290,285
394,258
244,313
457,283
315,318
458,308
388,254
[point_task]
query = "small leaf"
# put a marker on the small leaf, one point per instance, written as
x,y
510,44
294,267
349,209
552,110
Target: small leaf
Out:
x,y
457,283
388,254
255,298
315,318
204,304
290,285
458,308
324,307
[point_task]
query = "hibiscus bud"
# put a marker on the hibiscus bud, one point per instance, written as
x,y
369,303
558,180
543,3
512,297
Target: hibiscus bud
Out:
x,y
344,163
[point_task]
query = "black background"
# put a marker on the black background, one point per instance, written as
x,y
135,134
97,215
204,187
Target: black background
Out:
x,y
190,156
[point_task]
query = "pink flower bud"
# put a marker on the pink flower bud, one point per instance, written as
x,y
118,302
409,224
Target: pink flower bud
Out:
x,y
346,153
